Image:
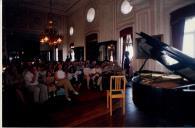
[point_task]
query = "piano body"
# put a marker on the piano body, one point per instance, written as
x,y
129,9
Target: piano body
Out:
x,y
170,92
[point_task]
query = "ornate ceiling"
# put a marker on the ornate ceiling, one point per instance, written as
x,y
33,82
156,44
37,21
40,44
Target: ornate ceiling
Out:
x,y
63,7
58,6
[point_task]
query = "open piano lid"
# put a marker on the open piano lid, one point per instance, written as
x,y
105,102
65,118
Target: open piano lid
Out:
x,y
170,57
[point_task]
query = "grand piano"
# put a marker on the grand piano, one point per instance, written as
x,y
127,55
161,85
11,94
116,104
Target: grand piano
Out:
x,y
167,92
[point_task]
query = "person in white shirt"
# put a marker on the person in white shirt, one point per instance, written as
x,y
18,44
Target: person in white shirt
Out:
x,y
73,76
62,81
39,91
87,73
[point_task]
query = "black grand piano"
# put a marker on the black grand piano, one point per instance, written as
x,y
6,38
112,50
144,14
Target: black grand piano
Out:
x,y
167,92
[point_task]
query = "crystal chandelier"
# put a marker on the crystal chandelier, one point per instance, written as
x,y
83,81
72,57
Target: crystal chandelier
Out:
x,y
50,35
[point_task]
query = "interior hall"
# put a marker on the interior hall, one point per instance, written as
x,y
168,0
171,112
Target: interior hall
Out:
x,y
98,63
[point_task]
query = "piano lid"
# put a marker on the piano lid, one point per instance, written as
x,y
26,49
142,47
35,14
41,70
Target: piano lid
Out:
x,y
171,58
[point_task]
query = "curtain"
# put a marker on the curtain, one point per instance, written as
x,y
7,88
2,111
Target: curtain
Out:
x,y
177,24
178,33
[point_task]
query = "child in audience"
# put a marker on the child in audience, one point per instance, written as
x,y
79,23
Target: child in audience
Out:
x,y
96,76
73,76
50,82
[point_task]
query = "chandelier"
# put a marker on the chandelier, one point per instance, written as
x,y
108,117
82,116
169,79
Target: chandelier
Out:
x,y
50,35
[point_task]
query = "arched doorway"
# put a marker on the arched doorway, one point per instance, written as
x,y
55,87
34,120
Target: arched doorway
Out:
x,y
92,47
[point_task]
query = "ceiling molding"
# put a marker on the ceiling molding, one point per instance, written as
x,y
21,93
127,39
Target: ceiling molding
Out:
x,y
61,7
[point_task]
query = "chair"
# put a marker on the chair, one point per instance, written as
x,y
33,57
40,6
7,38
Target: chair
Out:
x,y
117,90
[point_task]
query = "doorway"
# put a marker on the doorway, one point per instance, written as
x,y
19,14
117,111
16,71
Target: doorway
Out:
x,y
126,44
92,47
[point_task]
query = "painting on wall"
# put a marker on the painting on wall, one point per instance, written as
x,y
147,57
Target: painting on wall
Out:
x,y
139,54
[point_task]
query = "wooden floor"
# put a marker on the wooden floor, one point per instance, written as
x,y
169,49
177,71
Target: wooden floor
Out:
x,y
86,110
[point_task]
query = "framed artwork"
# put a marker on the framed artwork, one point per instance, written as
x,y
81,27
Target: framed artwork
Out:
x,y
139,54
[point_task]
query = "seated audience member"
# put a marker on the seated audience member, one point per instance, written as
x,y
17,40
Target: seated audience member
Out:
x,y
42,72
79,73
39,91
96,76
87,73
87,63
108,68
51,68
93,64
12,79
62,81
50,82
73,76
117,69
112,68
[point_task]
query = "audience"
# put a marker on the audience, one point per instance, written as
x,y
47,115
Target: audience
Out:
x,y
13,80
44,80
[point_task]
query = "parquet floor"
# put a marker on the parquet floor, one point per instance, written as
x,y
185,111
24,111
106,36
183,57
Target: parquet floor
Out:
x,y
86,110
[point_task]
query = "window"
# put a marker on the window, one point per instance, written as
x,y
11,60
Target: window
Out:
x,y
49,56
129,46
126,7
125,44
72,55
56,53
91,15
71,31
189,37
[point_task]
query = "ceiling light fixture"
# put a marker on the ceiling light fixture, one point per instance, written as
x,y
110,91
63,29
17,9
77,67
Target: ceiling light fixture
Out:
x,y
50,35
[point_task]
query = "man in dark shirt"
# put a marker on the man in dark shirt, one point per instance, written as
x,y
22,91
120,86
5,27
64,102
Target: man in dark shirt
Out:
x,y
127,64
